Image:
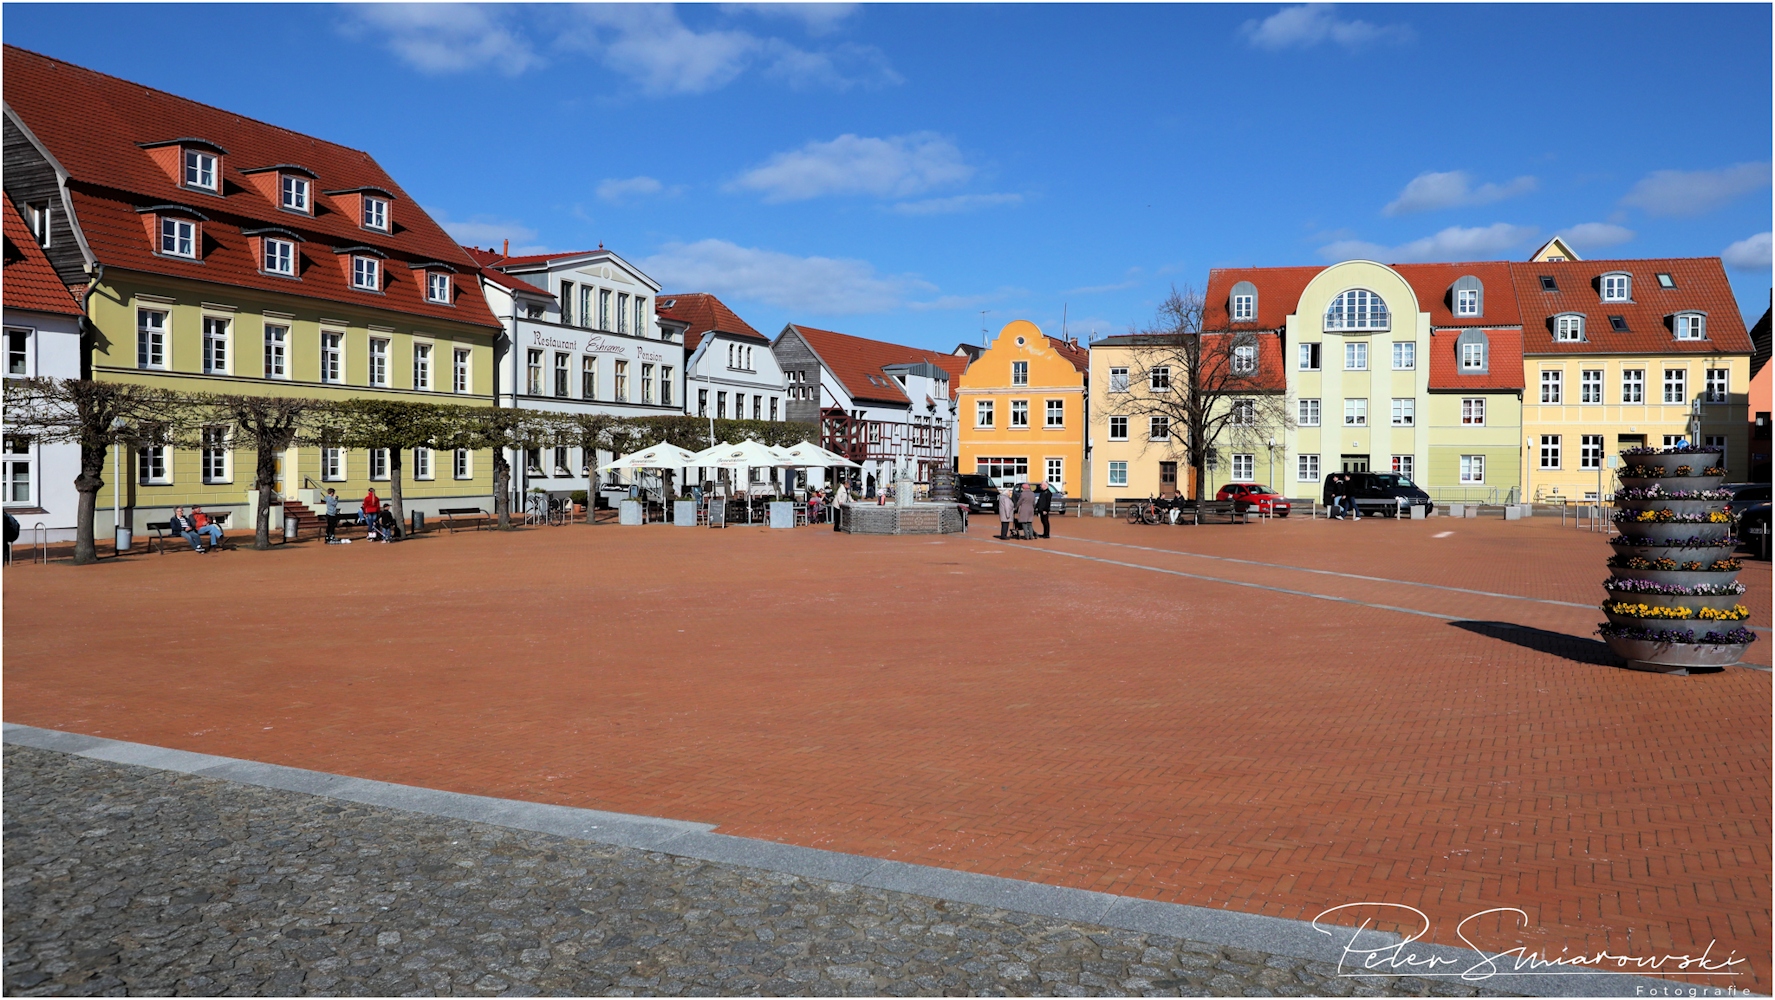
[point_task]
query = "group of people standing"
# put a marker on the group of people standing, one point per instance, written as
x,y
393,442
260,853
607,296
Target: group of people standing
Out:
x,y
1020,508
378,521
1340,496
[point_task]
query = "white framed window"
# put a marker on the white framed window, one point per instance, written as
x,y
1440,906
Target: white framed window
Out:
x,y
464,467
1357,309
1244,359
1473,411
566,300
562,376
295,193
1552,385
1568,327
1056,471
1244,468
588,297
178,237
1616,288
983,412
154,466
437,287
1118,379
150,338
1159,379
641,323
1550,451
1672,440
1405,412
604,308
1019,413
19,477
200,170
1590,452
459,379
622,381
378,463
665,390
1308,355
1466,302
280,256
18,353
277,351
721,406
1691,326
422,464
332,357
376,213
378,361
1356,412
1403,465
622,312
1306,468
1356,357
215,345
366,273
1055,415
1718,385
1244,308
647,389
1019,373
1158,428
216,462
533,461
1307,413
533,372
1472,470
332,465
1676,385
1405,355
1118,473
1590,385
422,366
1633,385
588,378
1472,357
1244,413
1118,428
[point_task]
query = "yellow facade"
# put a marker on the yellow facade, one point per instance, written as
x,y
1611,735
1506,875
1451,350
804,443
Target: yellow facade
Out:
x,y
1023,411
1579,408
1126,460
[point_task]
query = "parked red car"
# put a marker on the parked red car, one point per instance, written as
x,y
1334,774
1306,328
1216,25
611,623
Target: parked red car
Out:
x,y
1267,500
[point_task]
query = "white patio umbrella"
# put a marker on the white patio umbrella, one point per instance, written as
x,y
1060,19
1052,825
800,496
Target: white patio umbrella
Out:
x,y
748,454
809,455
660,456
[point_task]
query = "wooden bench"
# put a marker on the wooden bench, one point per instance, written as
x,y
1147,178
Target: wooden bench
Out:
x,y
1235,511
463,515
163,531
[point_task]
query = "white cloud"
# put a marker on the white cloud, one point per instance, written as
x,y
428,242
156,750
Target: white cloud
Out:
x,y
443,37
1750,254
813,285
1452,189
895,167
816,18
956,203
1595,234
1692,192
1311,24
839,68
489,231
650,45
618,191
1453,243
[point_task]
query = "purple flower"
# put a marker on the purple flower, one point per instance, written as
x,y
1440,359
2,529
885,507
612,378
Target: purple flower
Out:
x,y
1629,586
1731,637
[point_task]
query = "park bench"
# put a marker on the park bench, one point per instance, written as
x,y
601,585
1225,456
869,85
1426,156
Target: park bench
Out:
x,y
464,515
1233,510
163,531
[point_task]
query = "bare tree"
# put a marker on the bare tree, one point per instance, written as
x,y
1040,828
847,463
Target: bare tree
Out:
x,y
1212,386
96,416
269,425
497,429
396,425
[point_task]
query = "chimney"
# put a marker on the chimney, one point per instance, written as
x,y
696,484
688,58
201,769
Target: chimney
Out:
x,y
507,252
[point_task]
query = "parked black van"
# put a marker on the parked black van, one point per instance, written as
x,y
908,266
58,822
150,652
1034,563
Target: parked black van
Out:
x,y
1373,486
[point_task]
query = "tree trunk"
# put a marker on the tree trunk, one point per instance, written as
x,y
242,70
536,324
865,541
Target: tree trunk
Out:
x,y
264,478
502,488
88,484
394,492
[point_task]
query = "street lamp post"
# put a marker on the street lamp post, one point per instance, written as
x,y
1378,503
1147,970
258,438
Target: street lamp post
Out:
x,y
1271,445
120,535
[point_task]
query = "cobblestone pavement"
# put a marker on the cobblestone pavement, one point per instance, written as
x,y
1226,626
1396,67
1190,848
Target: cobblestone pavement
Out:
x,y
127,880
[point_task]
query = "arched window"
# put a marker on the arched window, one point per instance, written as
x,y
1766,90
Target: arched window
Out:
x,y
1242,303
1467,296
1357,309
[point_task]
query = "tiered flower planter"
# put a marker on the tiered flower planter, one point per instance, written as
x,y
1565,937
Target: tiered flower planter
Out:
x,y
1674,596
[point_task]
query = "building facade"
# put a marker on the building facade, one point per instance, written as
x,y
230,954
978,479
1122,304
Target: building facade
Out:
x,y
225,255
43,339
729,370
1023,410
885,406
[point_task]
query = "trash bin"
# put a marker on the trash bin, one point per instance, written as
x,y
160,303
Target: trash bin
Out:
x,y
124,539
292,524
418,521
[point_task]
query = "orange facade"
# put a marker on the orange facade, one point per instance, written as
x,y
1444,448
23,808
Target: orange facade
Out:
x,y
1022,410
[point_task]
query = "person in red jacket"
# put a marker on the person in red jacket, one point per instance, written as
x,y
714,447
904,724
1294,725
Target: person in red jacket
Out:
x,y
372,507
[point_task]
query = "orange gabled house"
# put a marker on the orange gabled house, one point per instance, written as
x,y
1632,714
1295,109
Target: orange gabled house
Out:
x,y
1022,410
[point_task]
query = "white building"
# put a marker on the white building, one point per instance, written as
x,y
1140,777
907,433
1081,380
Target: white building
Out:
x,y
581,337
729,370
42,326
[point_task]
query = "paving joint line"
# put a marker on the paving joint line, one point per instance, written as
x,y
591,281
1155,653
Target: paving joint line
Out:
x,y
1232,928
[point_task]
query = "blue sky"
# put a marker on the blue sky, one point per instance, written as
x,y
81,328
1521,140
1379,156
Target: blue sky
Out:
x,y
891,171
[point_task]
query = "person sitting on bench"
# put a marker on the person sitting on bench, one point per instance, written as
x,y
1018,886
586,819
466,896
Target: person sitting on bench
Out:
x,y
185,526
205,526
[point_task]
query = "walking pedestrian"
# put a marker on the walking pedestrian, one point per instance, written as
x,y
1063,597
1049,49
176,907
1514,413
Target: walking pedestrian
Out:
x,y
1044,502
1025,511
371,507
839,499
1334,492
1006,509
332,500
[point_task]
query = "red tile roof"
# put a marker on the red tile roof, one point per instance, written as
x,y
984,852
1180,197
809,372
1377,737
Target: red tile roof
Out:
x,y
1278,291
853,360
1503,365
537,258
1272,373
1434,285
97,127
30,282
704,313
1700,285
1079,356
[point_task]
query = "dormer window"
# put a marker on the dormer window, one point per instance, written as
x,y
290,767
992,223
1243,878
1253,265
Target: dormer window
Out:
x,y
1617,287
178,237
1243,302
1467,297
1473,357
200,169
1691,326
294,193
437,287
1568,327
376,213
366,273
1466,302
1357,309
280,256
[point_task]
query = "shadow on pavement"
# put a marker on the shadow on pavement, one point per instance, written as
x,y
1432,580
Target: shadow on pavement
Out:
x,y
1571,647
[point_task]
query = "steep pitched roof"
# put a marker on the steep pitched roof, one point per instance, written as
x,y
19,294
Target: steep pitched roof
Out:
x,y
30,283
1278,291
857,363
1434,285
1079,356
1700,284
104,130
1503,367
704,313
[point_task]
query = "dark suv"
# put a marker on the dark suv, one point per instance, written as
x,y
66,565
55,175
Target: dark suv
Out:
x,y
978,493
1389,486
